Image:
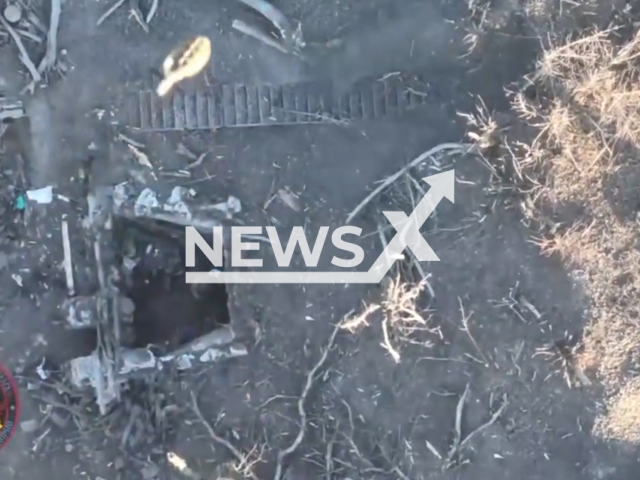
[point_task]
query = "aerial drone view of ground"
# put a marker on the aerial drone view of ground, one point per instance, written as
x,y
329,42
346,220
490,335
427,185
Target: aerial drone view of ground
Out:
x,y
517,355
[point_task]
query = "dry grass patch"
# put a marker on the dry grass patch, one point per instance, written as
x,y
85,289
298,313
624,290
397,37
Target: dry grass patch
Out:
x,y
401,317
583,102
624,415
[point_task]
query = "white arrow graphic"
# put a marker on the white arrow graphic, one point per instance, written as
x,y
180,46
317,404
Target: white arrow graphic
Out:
x,y
408,228
408,236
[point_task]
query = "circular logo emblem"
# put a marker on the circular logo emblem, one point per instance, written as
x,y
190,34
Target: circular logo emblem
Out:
x,y
9,406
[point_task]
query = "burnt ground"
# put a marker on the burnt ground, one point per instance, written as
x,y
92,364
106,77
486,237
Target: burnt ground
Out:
x,y
371,417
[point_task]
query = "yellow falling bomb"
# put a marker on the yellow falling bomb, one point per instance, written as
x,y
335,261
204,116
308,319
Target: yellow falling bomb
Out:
x,y
184,62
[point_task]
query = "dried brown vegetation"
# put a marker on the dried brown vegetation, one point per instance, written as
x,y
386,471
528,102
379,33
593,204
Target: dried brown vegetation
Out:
x,y
401,317
577,182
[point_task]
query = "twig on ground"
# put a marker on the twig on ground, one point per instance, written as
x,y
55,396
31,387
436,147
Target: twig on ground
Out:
x,y
400,473
385,244
275,397
197,162
24,56
452,147
257,34
278,19
311,378
152,12
236,453
386,341
433,449
424,276
458,425
328,458
136,13
465,327
352,324
458,441
51,54
493,420
68,262
109,12
29,35
180,464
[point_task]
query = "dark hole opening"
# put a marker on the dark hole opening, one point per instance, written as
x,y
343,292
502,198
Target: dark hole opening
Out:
x,y
169,312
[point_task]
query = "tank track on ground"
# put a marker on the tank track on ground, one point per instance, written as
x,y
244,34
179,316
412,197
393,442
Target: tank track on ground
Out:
x,y
230,105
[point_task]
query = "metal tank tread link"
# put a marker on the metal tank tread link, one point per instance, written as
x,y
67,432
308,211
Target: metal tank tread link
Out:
x,y
230,105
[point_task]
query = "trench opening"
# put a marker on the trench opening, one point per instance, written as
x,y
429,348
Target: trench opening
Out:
x,y
169,312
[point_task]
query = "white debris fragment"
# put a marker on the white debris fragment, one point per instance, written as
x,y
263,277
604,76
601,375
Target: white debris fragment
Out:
x,y
230,207
13,13
29,426
176,202
146,202
80,311
42,373
67,261
290,200
41,195
17,278
183,362
141,157
136,359
89,370
214,354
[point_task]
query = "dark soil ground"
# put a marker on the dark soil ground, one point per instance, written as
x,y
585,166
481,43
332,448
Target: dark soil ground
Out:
x,y
368,416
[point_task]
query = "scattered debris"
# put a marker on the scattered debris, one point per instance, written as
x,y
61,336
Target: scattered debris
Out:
x,y
219,440
111,313
11,108
217,345
312,376
41,195
82,311
17,278
459,441
179,208
186,61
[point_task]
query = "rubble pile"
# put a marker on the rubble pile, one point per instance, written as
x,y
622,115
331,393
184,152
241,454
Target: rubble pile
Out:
x,y
111,312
